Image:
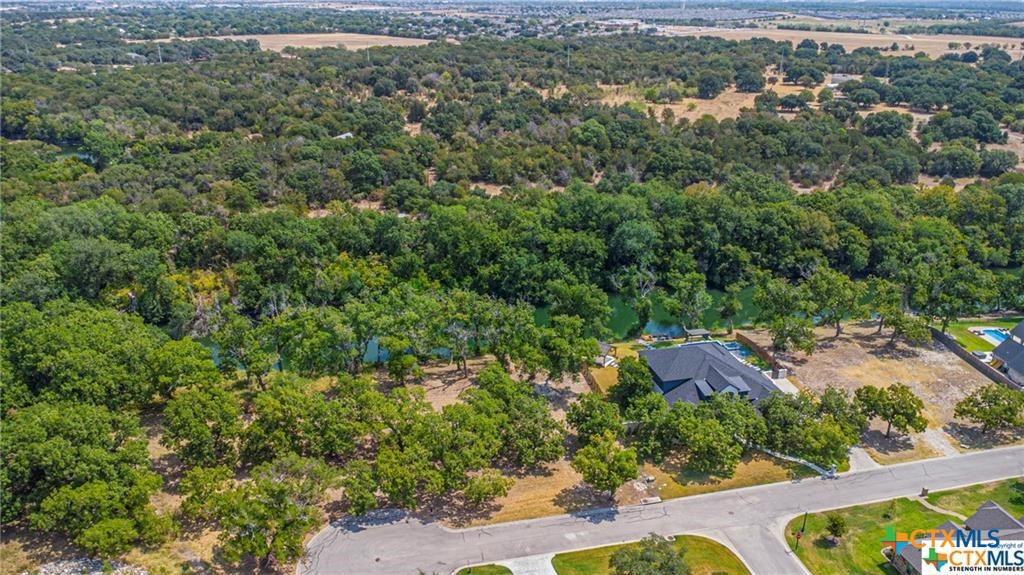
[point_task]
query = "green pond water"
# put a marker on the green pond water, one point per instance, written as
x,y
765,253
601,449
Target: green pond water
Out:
x,y
624,319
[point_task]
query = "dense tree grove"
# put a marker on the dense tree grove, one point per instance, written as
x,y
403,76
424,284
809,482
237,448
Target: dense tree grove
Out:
x,y
255,254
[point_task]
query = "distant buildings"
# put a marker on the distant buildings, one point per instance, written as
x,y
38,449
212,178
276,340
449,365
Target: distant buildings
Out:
x,y
694,372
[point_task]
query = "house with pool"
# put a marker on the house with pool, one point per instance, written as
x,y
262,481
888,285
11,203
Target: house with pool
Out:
x,y
694,372
1009,354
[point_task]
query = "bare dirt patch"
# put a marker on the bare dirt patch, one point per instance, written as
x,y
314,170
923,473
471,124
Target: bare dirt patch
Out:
x,y
728,104
860,357
442,382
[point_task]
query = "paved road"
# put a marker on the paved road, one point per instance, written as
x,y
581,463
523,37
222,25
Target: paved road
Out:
x,y
749,520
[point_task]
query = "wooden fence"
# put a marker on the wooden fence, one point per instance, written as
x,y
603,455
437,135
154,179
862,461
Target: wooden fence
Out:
x,y
762,353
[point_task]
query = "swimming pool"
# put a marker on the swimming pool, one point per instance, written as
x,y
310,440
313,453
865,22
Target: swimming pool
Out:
x,y
998,335
737,348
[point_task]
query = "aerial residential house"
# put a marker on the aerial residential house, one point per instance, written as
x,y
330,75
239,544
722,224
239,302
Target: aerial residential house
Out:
x,y
694,372
608,356
1010,354
837,79
989,516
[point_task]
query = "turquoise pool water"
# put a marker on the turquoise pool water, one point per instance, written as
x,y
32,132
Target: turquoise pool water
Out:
x,y
737,349
996,334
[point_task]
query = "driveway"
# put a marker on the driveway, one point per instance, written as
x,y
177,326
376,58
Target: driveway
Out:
x,y
749,520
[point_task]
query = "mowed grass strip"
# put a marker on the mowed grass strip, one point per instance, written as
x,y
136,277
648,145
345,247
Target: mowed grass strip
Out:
x,y
703,556
1009,494
859,551
485,570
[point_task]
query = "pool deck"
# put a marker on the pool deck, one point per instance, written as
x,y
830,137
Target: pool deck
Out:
x,y
983,333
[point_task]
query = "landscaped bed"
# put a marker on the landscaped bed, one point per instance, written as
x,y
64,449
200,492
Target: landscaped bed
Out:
x,y
703,556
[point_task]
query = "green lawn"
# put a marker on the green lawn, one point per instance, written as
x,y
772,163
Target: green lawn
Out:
x,y
972,342
859,550
703,556
1009,494
485,570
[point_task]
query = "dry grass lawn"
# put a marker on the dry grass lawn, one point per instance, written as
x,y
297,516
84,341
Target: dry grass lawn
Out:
x,y
671,480
606,377
555,489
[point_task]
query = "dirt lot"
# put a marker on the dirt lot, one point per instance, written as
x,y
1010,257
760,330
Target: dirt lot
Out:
x,y
934,46
278,42
725,105
860,357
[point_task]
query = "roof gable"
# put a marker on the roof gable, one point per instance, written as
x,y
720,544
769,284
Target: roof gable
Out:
x,y
991,516
704,368
1018,330
1011,353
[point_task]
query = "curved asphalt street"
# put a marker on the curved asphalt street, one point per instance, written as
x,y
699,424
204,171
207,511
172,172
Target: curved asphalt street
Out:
x,y
749,520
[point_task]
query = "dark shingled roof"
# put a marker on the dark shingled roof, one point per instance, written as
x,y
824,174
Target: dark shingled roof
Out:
x,y
991,516
1011,353
694,371
1018,330
912,555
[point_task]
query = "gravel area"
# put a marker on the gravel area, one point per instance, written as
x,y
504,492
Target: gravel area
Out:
x,y
88,567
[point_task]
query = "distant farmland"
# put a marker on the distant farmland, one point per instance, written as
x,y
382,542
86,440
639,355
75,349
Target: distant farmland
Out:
x,y
278,42
933,45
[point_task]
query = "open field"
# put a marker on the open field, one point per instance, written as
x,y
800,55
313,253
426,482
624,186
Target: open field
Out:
x,y
861,357
859,550
703,557
933,45
278,42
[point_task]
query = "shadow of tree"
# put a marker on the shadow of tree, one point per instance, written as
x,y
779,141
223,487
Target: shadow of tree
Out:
x,y
453,509
579,498
972,437
876,439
